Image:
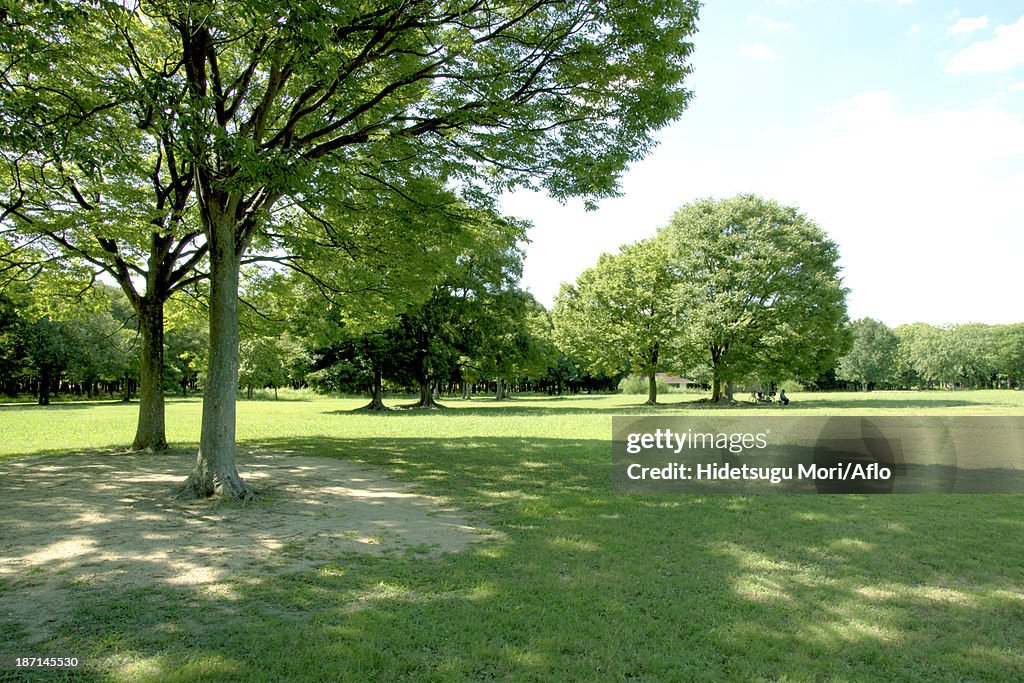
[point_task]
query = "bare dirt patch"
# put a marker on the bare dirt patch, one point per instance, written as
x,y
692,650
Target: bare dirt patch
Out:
x,y
89,520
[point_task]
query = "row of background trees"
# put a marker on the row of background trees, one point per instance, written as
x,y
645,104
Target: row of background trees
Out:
x,y
920,356
480,332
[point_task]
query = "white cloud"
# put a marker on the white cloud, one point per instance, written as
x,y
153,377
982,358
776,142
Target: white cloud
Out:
x,y
758,52
967,25
768,23
922,205
1019,85
1001,53
909,197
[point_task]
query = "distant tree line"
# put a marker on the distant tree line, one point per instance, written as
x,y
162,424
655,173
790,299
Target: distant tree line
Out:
x,y
644,310
476,333
922,356
89,350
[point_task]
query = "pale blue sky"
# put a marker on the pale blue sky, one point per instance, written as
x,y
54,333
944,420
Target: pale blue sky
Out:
x,y
898,126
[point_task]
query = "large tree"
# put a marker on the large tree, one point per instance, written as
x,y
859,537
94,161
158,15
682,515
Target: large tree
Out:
x,y
619,316
277,107
759,290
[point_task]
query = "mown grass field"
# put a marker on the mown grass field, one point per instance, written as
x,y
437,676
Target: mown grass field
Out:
x,y
579,583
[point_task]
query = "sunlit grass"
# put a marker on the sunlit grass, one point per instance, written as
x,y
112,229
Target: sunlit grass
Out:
x,y
111,424
580,583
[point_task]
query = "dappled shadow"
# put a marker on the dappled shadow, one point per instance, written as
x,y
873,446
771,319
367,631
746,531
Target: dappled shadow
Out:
x,y
579,583
90,521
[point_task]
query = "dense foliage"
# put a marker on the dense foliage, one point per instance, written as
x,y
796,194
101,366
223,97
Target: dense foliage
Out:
x,y
733,291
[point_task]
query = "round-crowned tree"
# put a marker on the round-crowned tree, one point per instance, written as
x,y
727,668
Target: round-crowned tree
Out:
x,y
759,292
618,316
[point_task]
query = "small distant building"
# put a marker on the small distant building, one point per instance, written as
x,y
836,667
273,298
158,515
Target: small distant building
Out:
x,y
673,381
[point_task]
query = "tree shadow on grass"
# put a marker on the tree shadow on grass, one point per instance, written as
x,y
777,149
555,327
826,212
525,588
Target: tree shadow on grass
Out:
x,y
79,526
495,409
69,405
581,583
808,401
489,408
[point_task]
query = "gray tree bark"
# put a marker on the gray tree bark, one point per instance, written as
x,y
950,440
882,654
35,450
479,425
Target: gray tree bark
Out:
x,y
376,392
150,433
215,473
652,389
652,382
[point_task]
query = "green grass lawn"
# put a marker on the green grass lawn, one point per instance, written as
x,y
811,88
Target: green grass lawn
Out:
x,y
579,583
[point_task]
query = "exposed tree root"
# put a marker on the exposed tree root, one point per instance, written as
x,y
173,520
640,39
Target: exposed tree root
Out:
x,y
421,405
207,483
149,446
373,407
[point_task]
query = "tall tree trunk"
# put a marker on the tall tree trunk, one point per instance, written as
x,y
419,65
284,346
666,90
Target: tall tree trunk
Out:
x,y
716,376
215,473
44,385
150,434
499,390
652,389
467,392
427,399
376,391
652,382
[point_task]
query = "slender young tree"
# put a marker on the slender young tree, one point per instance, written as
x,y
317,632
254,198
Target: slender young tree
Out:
x,y
619,315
